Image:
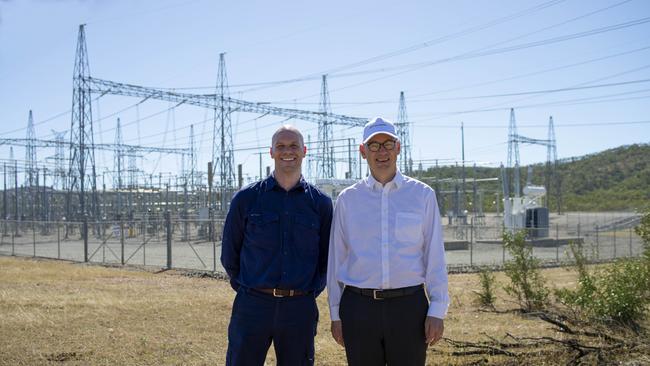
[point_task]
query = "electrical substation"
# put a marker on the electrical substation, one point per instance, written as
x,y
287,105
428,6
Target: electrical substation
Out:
x,y
120,211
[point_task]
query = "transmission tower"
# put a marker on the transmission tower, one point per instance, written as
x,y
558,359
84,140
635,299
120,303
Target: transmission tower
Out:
x,y
405,160
325,164
13,179
59,160
118,157
82,149
11,158
132,168
191,176
222,138
553,182
30,154
513,149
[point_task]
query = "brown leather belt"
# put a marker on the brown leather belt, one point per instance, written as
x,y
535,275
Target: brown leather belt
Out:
x,y
385,294
276,292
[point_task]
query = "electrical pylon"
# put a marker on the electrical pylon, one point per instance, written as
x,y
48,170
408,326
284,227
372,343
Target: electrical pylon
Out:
x,y
82,150
132,169
222,152
191,179
325,163
553,182
118,157
30,153
405,160
59,161
552,178
513,149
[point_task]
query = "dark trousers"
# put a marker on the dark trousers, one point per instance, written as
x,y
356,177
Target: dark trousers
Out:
x,y
257,319
388,331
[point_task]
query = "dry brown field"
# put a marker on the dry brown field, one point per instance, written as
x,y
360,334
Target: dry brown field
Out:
x,y
63,313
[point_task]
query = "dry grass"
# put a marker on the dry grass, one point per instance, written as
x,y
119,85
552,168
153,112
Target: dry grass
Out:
x,y
54,313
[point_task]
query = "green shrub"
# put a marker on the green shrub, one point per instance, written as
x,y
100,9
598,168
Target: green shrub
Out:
x,y
586,288
526,282
619,292
486,295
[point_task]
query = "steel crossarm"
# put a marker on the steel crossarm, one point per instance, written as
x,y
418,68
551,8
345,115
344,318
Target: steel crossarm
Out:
x,y
109,147
104,87
528,140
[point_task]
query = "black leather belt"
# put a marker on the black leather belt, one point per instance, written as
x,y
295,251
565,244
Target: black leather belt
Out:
x,y
385,294
276,292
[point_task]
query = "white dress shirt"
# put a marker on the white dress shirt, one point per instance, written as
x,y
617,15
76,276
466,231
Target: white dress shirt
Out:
x,y
386,237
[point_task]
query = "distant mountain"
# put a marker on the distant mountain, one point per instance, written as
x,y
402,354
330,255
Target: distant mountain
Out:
x,y
615,179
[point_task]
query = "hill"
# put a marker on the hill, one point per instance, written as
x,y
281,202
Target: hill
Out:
x,y
614,179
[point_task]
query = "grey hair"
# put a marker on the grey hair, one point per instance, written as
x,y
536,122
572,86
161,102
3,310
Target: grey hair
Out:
x,y
289,128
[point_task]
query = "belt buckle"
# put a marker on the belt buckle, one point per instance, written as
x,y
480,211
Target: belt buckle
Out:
x,y
275,294
374,295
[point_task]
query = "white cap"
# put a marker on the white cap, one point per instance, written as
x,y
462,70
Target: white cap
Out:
x,y
376,126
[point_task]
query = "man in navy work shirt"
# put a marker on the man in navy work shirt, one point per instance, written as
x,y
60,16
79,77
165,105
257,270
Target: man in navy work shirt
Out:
x,y
275,246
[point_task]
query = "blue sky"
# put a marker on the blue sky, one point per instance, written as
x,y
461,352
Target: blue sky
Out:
x,y
586,63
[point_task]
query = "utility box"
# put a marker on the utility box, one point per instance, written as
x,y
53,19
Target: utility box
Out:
x,y
537,222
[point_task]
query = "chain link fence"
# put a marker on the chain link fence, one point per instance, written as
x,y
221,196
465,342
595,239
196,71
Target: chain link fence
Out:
x,y
195,244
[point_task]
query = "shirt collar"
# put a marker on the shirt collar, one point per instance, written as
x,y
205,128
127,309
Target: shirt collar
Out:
x,y
270,182
397,180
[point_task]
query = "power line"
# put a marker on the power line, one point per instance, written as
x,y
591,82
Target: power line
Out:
x,y
545,91
430,42
489,52
519,125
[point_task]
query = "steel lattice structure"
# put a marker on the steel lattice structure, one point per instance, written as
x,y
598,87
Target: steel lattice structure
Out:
x,y
82,146
82,152
104,87
405,159
30,153
551,177
325,165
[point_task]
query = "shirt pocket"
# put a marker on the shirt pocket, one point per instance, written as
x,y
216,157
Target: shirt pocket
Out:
x,y
306,233
408,227
263,229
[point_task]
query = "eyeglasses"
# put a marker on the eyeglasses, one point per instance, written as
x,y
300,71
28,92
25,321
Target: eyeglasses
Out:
x,y
375,146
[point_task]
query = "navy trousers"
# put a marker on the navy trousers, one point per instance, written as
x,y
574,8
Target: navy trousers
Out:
x,y
257,319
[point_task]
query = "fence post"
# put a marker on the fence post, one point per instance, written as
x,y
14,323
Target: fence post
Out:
x,y
13,239
34,237
214,255
84,228
614,241
101,233
557,244
597,245
168,224
630,241
580,246
471,242
122,237
145,225
58,240
213,238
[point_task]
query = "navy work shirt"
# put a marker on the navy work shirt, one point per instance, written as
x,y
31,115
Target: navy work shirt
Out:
x,y
274,238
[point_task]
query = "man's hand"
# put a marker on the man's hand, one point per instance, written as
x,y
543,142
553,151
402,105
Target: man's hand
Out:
x,y
433,329
337,332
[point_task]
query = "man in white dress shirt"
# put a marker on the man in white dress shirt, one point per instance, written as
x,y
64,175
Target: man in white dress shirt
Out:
x,y
386,273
